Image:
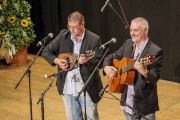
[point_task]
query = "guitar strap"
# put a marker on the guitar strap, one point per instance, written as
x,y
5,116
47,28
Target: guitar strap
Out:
x,y
133,55
135,60
133,50
137,57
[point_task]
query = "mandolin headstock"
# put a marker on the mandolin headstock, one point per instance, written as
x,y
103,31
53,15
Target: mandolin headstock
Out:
x,y
90,53
149,59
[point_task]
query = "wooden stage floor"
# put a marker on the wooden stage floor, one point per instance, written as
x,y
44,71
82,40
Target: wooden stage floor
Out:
x,y
14,103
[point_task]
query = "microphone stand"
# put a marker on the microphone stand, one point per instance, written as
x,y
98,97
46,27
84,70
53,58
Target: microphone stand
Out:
x,y
84,88
42,94
138,114
126,24
29,74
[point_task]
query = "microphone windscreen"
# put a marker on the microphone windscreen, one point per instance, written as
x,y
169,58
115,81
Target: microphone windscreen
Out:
x,y
114,40
51,35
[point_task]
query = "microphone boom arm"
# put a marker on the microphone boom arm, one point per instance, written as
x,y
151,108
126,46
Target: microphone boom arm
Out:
x,y
126,24
108,2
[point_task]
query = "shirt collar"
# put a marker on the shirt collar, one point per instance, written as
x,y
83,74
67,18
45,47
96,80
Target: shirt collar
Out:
x,y
141,48
74,40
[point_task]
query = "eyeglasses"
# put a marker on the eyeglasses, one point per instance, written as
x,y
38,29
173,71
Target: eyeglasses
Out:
x,y
73,27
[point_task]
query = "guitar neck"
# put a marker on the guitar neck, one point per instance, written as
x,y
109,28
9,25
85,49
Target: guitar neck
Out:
x,y
145,61
127,68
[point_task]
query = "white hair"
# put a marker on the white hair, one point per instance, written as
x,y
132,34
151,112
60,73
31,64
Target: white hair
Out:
x,y
143,21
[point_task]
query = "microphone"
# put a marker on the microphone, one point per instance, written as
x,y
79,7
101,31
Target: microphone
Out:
x,y
54,74
45,76
102,9
49,75
113,40
44,40
102,91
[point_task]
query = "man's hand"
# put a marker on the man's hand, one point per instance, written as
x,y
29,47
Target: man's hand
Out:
x,y
83,59
63,64
141,68
110,71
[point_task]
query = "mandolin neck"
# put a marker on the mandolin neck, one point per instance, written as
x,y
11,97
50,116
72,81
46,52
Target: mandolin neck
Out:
x,y
74,59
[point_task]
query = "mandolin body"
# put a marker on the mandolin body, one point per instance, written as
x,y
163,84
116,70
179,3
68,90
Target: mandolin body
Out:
x,y
72,59
67,57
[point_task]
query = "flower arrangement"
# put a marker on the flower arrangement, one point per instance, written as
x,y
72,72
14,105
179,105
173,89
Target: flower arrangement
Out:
x,y
15,23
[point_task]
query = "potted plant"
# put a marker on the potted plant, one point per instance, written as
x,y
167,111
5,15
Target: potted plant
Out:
x,y
16,27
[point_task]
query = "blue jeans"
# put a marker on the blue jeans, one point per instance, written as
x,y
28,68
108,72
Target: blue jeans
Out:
x,y
74,108
133,117
68,102
91,108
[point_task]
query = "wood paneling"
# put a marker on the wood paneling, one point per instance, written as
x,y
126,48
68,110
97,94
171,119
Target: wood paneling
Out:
x,y
14,103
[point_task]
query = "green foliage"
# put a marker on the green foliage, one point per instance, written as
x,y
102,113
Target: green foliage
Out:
x,y
15,23
7,46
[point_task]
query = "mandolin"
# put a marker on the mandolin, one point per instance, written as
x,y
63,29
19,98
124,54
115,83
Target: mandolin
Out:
x,y
125,74
72,59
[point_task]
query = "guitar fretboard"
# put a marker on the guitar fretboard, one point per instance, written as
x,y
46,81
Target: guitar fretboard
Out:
x,y
145,60
127,68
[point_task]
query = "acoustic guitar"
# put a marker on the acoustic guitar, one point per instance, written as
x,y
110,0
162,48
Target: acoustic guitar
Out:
x,y
72,59
125,74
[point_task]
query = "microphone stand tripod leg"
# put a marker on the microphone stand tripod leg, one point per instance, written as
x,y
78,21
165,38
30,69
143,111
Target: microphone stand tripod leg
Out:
x,y
42,107
30,99
139,115
85,115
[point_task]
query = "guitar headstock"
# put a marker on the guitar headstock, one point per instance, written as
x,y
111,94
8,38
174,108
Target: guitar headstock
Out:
x,y
149,59
90,53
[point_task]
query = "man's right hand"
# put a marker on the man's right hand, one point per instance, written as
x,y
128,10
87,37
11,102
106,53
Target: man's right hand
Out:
x,y
63,64
110,71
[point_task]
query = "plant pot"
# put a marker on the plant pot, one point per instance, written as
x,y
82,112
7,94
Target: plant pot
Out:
x,y
20,58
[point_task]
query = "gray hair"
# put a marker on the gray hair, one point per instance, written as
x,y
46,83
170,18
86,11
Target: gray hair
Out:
x,y
143,21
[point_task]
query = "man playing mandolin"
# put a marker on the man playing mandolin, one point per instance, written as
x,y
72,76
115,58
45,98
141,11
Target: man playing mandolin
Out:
x,y
71,42
142,93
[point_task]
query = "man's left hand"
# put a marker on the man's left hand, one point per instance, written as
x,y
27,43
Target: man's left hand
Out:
x,y
83,59
141,68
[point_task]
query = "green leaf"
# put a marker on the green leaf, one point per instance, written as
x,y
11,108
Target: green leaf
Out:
x,y
7,46
15,30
